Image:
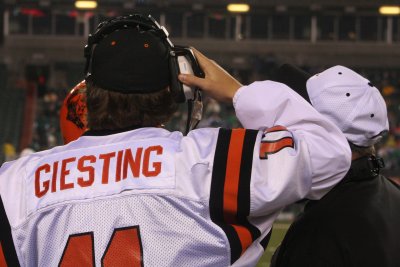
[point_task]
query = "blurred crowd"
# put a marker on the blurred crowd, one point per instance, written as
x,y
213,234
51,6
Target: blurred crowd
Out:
x,y
46,132
389,83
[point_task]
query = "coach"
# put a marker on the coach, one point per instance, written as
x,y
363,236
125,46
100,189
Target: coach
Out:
x,y
357,222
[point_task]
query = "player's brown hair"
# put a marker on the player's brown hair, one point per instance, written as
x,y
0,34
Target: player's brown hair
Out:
x,y
108,110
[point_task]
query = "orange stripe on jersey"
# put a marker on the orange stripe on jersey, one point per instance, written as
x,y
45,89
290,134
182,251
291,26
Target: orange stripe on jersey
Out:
x,y
275,146
232,175
244,236
3,262
231,186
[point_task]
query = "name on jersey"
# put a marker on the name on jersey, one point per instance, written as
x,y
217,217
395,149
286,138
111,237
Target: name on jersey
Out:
x,y
75,175
49,179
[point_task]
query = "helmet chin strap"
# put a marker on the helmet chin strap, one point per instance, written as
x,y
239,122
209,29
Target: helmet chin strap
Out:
x,y
195,112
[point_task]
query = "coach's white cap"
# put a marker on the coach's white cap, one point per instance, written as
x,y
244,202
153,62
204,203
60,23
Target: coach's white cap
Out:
x,y
344,97
351,102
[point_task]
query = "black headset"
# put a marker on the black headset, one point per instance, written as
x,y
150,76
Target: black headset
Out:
x,y
150,25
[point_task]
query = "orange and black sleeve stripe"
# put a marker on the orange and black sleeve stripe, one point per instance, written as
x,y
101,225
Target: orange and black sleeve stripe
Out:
x,y
8,256
230,188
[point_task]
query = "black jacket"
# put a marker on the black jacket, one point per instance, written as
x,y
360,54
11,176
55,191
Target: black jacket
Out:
x,y
356,224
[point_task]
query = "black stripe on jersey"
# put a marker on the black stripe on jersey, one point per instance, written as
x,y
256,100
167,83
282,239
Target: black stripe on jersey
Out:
x,y
218,176
6,239
233,238
264,242
244,182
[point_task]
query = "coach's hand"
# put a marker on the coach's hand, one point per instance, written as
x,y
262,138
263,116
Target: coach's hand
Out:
x,y
217,83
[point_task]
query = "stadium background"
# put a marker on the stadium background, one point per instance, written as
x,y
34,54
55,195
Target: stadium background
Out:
x,y
41,57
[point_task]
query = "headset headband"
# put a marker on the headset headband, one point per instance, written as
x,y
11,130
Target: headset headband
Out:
x,y
123,22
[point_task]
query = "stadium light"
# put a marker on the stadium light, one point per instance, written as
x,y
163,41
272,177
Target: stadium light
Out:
x,y
389,10
238,8
85,4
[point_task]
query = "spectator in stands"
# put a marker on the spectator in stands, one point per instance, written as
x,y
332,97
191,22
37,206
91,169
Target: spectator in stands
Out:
x,y
356,223
9,151
26,151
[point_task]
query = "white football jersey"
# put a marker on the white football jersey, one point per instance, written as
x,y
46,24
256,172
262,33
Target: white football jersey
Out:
x,y
150,197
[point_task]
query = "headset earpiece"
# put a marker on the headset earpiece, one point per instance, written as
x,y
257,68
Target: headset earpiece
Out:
x,y
179,56
176,87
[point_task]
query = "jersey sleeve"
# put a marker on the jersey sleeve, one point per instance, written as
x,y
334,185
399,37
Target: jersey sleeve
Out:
x,y
297,152
287,152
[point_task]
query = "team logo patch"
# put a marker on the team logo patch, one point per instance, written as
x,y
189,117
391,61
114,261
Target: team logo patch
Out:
x,y
274,140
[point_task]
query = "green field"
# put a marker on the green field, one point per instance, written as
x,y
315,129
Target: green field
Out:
x,y
278,233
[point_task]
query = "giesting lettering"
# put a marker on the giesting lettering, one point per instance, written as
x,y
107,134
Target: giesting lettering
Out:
x,y
126,161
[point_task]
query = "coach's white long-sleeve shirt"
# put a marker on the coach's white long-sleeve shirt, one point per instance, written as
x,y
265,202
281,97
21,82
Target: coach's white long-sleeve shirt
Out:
x,y
156,198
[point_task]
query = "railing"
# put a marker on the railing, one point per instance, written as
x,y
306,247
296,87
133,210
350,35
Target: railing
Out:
x,y
43,50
